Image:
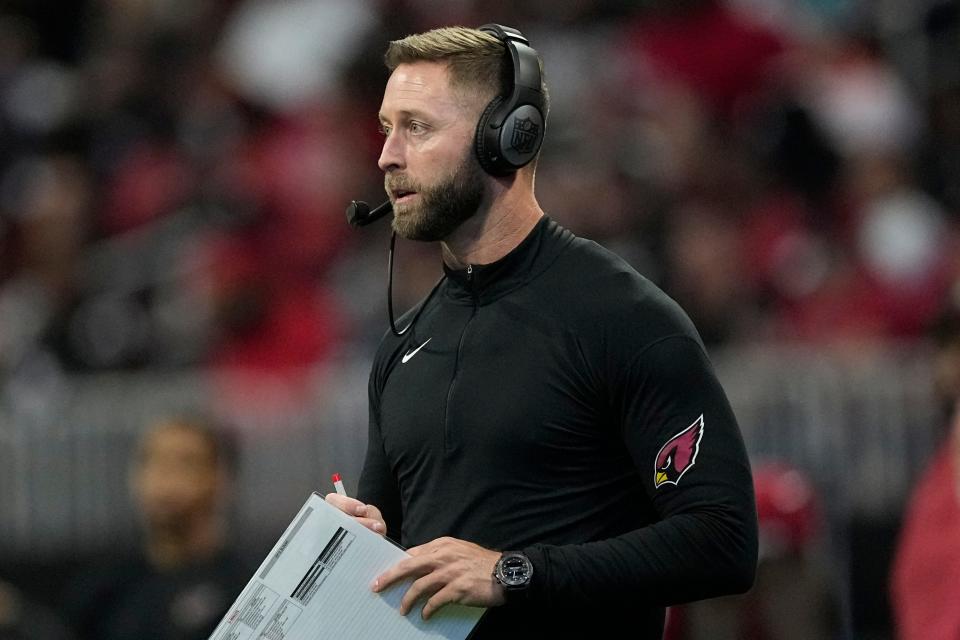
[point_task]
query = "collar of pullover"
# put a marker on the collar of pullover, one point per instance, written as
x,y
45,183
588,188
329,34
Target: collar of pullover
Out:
x,y
481,284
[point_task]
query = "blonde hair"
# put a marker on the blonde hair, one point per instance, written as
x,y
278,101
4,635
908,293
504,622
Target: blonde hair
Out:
x,y
475,59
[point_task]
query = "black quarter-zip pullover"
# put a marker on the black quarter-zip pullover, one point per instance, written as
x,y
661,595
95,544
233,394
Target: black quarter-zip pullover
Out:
x,y
526,410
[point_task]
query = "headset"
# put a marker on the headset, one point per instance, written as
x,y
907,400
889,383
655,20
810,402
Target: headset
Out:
x,y
510,130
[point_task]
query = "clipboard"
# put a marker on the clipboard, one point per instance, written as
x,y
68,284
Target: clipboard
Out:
x,y
315,583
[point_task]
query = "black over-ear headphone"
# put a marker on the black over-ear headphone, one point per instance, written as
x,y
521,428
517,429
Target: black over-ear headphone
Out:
x,y
510,131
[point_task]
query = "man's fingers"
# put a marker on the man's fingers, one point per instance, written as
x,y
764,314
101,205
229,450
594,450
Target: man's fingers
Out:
x,y
409,568
376,526
443,596
366,514
424,587
373,513
422,560
350,506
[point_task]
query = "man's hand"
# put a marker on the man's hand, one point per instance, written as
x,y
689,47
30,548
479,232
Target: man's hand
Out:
x,y
366,514
446,570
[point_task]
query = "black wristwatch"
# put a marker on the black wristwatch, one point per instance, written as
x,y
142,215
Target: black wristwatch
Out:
x,y
513,570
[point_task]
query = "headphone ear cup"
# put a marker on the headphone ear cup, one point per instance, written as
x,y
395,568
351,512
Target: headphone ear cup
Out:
x,y
487,142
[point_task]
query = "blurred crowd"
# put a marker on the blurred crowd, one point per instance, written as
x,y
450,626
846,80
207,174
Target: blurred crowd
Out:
x,y
173,173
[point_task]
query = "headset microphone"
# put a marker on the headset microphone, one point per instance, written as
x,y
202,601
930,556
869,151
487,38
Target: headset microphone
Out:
x,y
360,215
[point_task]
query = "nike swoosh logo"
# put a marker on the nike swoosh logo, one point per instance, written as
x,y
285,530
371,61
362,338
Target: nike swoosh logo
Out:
x,y
410,354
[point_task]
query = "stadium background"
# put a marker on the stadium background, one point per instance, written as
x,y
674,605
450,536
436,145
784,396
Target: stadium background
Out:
x,y
173,175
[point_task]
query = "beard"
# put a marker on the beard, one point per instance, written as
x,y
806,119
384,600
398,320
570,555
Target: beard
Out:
x,y
442,207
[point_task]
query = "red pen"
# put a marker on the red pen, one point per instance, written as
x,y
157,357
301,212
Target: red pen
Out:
x,y
338,484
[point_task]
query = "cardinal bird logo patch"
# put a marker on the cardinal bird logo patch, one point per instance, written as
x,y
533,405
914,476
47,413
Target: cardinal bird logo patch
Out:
x,y
678,454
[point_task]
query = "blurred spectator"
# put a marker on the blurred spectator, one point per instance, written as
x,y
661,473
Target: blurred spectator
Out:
x,y
45,199
888,270
795,596
284,55
758,160
707,272
721,55
925,581
186,575
21,619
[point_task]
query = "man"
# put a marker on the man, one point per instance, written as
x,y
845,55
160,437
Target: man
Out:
x,y
548,402
178,587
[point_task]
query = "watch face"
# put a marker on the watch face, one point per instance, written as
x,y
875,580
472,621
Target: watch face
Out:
x,y
514,570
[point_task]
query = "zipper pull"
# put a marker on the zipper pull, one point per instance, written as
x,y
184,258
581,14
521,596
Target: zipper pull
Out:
x,y
472,284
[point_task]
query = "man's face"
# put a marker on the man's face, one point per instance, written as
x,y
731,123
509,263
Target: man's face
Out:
x,y
177,478
430,172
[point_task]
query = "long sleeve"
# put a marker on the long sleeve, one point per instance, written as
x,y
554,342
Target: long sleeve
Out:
x,y
704,542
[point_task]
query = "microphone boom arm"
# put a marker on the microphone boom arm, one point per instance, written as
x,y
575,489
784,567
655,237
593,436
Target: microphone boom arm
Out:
x,y
360,215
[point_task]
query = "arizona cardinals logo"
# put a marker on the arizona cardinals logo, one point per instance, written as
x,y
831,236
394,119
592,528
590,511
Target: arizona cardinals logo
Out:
x,y
678,454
